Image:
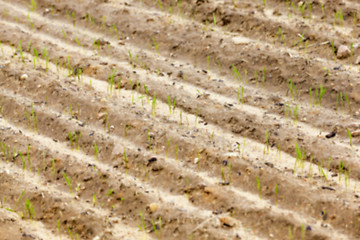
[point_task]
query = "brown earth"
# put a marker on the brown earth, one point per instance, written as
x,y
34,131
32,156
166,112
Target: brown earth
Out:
x,y
247,149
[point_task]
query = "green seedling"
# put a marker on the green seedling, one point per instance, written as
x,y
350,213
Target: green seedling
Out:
x,y
70,233
58,227
179,7
103,23
33,5
321,94
22,160
70,136
276,193
263,78
29,208
323,173
149,139
53,167
341,17
154,105
290,233
302,231
229,175
267,141
155,228
21,51
259,187
355,18
323,10
223,176
125,159
180,122
131,59
96,151
207,62
156,46
196,117
342,102
302,10
68,181
292,88
64,34
236,74
94,200
341,169
333,48
214,19
350,136
110,192
279,151
159,4
348,102
143,227
73,18
19,199
171,104
280,33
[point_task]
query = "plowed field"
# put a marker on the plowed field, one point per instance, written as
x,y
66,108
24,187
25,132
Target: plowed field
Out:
x,y
164,119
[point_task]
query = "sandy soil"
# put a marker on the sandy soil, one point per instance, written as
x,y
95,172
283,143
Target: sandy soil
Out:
x,y
179,119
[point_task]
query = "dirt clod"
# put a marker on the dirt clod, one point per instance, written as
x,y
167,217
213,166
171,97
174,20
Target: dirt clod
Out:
x,y
228,221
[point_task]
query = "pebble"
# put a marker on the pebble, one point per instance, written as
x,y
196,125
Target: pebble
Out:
x,y
343,52
153,207
240,40
228,221
196,160
357,61
355,133
96,238
24,77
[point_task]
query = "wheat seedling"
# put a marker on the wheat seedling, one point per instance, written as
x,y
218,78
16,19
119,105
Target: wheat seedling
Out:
x,y
350,136
68,181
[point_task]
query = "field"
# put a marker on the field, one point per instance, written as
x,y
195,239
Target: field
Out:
x,y
165,119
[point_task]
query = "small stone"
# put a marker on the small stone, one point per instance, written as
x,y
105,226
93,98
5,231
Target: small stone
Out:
x,y
355,133
240,40
357,61
96,238
101,116
228,221
209,189
343,52
24,77
151,160
196,160
330,135
153,207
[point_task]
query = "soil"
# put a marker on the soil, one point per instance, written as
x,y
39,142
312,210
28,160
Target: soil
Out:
x,y
179,119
